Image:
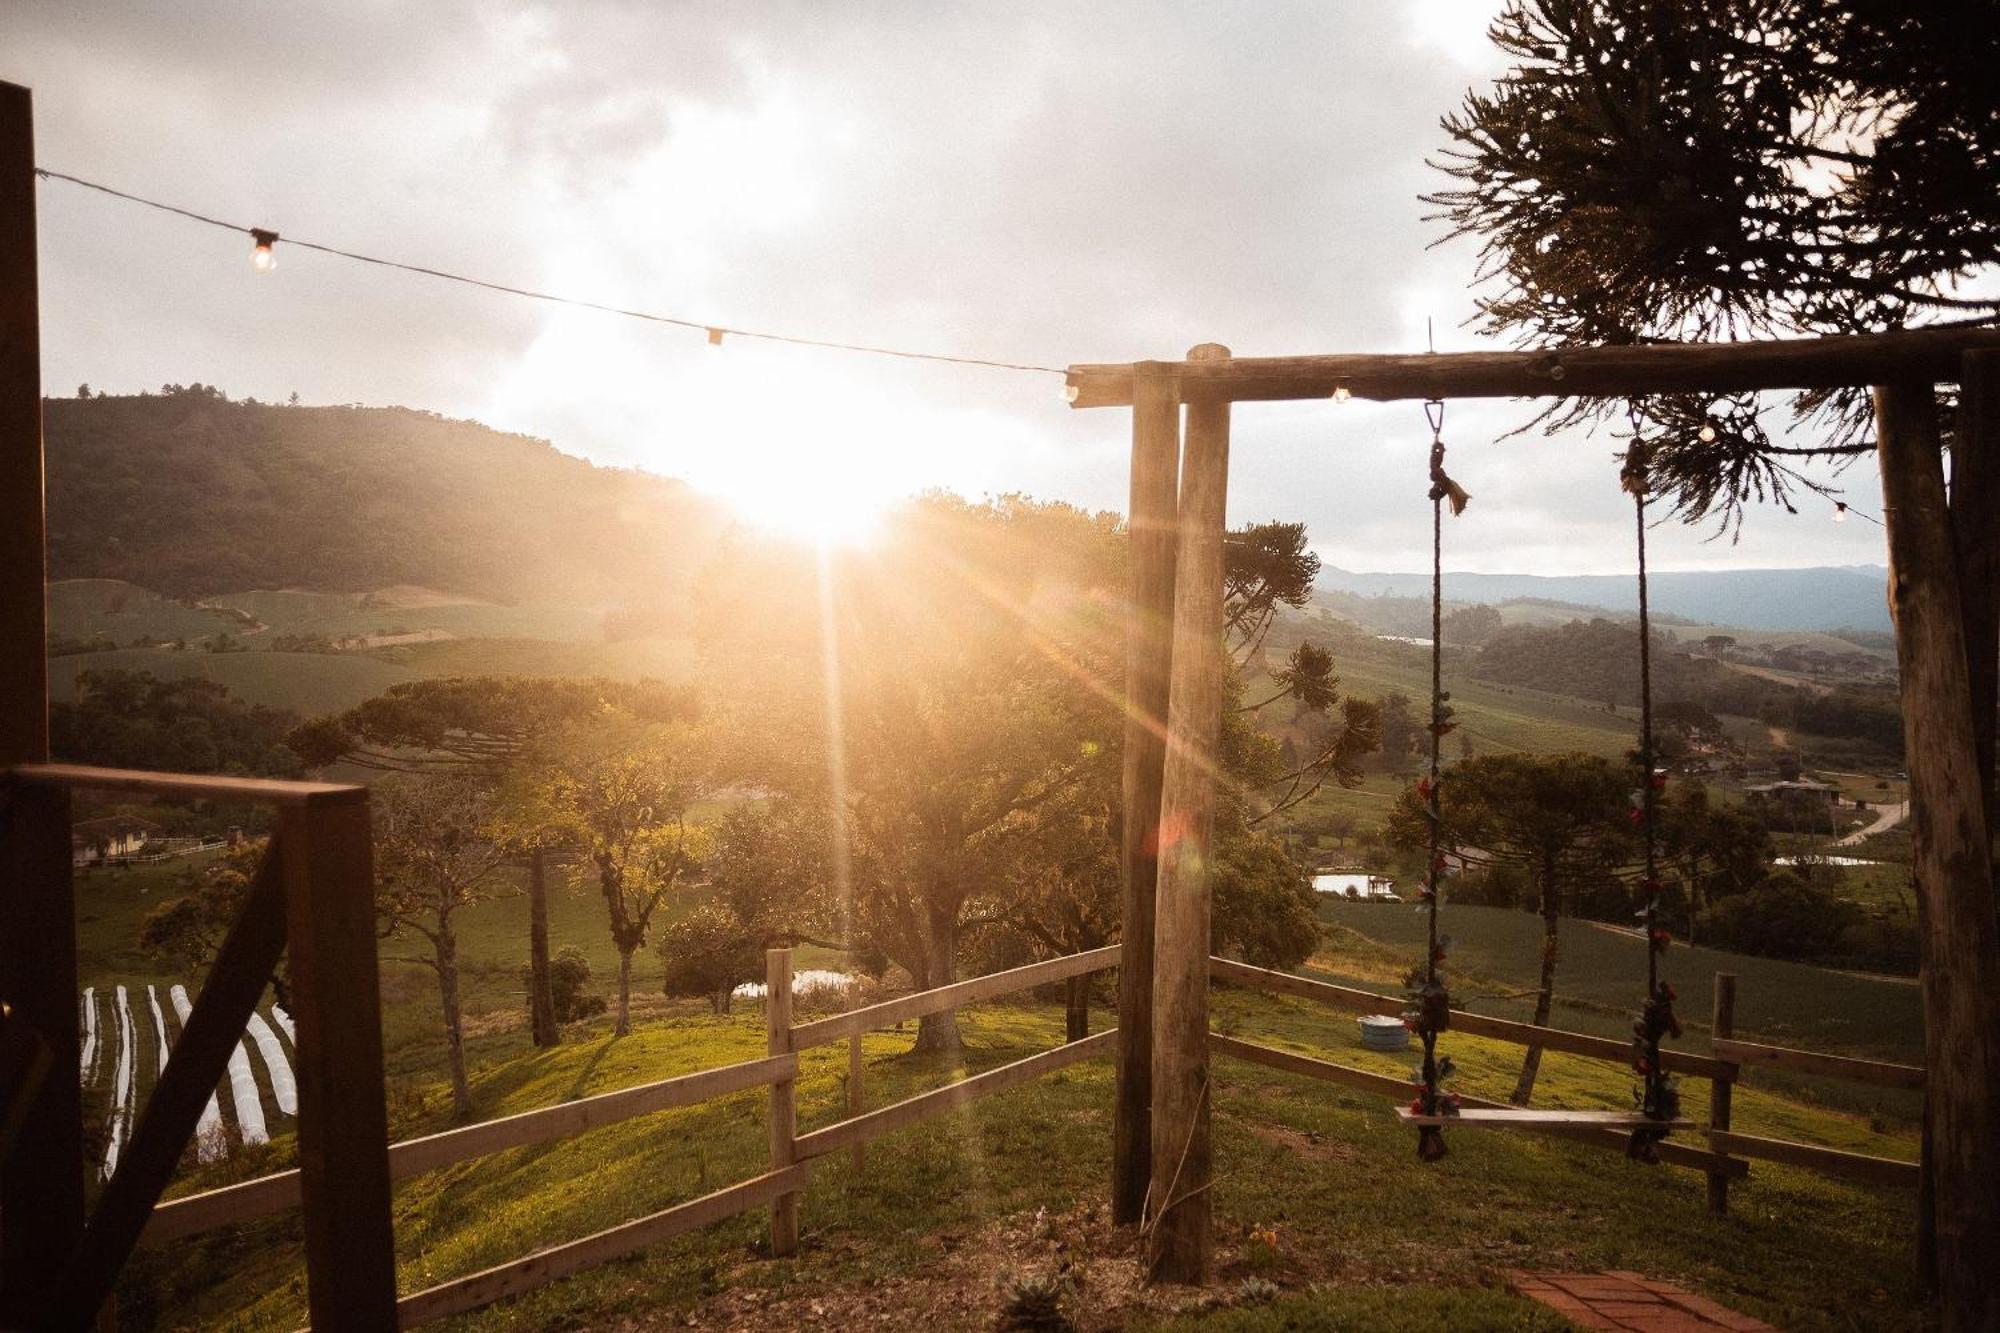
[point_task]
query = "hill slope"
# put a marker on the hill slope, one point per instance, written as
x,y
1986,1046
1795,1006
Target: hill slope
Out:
x,y
187,493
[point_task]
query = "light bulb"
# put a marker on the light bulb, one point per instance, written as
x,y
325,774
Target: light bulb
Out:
x,y
1341,393
715,337
1072,392
1840,511
1706,433
262,257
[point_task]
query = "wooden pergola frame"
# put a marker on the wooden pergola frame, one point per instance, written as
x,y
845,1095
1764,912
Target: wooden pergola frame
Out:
x,y
1944,564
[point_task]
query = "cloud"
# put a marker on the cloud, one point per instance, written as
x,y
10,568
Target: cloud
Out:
x,y
1041,182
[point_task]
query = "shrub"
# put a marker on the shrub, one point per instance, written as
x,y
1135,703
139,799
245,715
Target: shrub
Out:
x,y
569,971
1783,917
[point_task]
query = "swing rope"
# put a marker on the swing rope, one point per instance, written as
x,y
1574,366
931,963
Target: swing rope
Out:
x,y
1659,1098
1433,1000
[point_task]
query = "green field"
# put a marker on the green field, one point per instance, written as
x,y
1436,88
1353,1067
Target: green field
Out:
x,y
627,659
122,612
340,615
306,683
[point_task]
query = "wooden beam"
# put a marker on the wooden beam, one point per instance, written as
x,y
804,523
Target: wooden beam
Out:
x,y
822,1031
267,1195
1181,1244
343,1134
939,1101
1721,1091
41,1181
1523,1117
1149,639
1477,1025
1861,1166
1398,1089
784,1112
546,1266
236,980
1930,355
192,786
24,672
1958,942
41,1178
1880,1073
1975,530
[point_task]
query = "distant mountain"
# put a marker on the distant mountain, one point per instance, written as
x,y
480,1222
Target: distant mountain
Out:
x,y
186,493
1820,598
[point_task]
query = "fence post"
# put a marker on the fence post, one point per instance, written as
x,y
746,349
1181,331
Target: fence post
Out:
x,y
784,1096
856,1101
327,857
1721,1089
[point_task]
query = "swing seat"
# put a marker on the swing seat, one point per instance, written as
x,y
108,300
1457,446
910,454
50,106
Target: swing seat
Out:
x,y
1524,1117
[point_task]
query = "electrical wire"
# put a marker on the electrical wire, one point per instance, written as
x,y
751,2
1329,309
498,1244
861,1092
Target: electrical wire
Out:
x,y
714,332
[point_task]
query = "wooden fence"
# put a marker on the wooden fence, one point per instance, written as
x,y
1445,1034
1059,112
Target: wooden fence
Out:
x,y
1726,1063
792,1153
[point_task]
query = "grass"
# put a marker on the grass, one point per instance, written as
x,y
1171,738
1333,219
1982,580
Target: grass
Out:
x,y
122,612
628,659
306,683
339,615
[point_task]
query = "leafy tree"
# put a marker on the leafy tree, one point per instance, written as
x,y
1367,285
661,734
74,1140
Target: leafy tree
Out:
x,y
1400,731
1715,850
483,728
708,951
1783,917
132,719
621,796
569,973
435,855
1562,819
1473,624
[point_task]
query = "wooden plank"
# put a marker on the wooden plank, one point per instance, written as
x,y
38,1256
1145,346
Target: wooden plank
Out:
x,y
784,1106
42,1177
857,1102
546,1266
1958,937
195,786
1477,1025
939,1101
1674,1154
1975,532
236,981
1156,437
24,672
1879,1170
1181,1243
1521,1117
1749,1054
1721,1091
824,1030
1927,355
267,1195
343,1133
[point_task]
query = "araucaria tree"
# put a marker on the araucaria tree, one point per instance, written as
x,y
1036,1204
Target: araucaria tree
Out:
x,y
621,797
435,853
1562,820
1665,169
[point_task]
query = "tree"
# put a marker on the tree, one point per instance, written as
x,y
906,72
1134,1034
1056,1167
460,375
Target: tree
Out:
x,y
1561,819
621,796
1716,851
483,727
1400,731
1473,624
435,855
132,719
1785,916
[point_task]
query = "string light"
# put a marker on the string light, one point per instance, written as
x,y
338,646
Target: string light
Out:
x,y
1840,511
1707,432
263,260
1071,392
1341,393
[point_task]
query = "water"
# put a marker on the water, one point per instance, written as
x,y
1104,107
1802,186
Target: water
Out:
x,y
1823,860
812,978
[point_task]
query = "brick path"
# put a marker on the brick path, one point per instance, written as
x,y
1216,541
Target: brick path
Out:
x,y
1621,1300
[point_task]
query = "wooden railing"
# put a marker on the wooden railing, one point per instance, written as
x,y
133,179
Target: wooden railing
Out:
x,y
312,897
781,1187
1725,1065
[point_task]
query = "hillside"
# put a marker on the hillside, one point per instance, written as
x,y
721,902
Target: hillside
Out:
x,y
1822,598
187,493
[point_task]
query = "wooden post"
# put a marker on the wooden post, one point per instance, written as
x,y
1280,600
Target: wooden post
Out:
x,y
1149,582
41,1180
1959,944
1721,1090
784,1096
343,1137
856,1101
1975,530
1182,1248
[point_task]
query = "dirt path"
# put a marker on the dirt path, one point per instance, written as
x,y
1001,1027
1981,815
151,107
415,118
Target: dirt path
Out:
x,y
1888,818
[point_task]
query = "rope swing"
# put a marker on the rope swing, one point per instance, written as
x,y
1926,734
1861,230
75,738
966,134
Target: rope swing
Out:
x,y
1659,1097
1430,1011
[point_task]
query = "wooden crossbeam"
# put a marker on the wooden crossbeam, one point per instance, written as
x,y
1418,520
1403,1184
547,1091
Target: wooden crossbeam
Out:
x,y
1881,1073
824,1030
1524,1117
1928,355
242,969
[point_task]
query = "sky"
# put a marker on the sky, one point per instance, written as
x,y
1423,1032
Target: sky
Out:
x,y
1042,183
